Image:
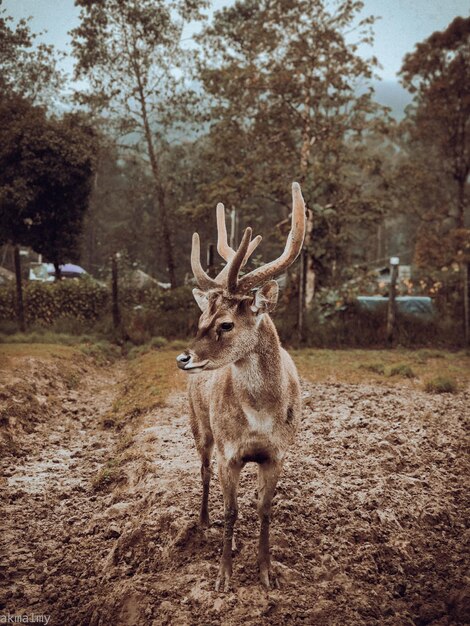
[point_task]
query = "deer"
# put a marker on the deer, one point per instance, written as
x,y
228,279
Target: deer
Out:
x,y
244,390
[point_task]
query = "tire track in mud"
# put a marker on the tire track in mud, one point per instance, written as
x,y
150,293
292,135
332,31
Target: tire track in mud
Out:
x,y
370,519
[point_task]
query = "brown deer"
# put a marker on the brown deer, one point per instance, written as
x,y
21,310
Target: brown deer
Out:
x,y
246,398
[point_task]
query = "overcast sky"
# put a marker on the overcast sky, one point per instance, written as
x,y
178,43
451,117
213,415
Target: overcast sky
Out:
x,y
403,23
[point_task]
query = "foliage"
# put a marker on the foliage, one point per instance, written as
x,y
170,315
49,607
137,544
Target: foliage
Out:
x,y
131,55
436,132
46,165
28,69
283,86
82,300
74,307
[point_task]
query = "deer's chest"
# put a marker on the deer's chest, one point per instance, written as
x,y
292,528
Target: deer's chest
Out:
x,y
257,420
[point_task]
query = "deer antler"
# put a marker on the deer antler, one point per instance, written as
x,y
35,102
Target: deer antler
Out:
x,y
225,251
202,278
228,277
292,250
236,263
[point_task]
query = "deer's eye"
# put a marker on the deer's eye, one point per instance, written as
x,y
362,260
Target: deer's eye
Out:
x,y
226,326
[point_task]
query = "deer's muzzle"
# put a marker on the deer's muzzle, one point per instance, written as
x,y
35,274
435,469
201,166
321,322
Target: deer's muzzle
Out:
x,y
185,362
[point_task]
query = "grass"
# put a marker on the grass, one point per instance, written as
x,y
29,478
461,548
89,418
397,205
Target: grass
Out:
x,y
152,375
441,384
108,475
9,353
375,368
150,378
384,367
47,343
403,370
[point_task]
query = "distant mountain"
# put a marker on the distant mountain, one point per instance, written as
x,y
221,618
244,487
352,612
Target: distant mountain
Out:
x,y
391,94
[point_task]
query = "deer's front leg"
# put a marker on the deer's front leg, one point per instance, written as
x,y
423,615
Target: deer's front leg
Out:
x,y
229,475
268,475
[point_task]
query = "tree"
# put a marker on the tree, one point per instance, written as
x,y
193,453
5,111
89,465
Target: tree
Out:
x,y
130,52
46,168
27,69
438,74
290,101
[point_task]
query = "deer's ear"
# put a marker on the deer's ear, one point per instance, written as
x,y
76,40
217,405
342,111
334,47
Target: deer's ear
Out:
x,y
201,299
265,298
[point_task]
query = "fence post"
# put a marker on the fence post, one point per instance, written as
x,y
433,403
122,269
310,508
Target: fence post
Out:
x,y
210,258
301,297
466,300
115,292
392,305
19,289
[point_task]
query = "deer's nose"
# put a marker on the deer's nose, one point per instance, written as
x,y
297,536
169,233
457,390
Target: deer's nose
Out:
x,y
182,359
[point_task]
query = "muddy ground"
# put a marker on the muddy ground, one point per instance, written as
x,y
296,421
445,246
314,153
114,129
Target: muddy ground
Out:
x,y
99,525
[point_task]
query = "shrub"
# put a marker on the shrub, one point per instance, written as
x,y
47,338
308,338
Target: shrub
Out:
x,y
402,370
158,342
76,301
102,352
441,384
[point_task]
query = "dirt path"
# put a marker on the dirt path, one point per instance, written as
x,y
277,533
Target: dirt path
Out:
x,y
371,516
45,483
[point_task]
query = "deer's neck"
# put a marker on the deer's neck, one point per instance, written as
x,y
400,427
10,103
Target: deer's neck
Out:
x,y
258,377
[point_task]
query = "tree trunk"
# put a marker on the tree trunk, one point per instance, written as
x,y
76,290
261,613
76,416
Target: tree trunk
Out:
x,y
461,182
301,296
114,274
159,189
392,305
466,301
19,290
310,275
57,271
166,232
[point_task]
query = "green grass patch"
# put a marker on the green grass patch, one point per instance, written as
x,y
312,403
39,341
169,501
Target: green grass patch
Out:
x,y
362,366
102,352
441,384
109,475
403,370
151,377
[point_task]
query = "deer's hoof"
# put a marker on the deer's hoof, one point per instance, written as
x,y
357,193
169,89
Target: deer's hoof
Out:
x,y
204,521
268,579
223,579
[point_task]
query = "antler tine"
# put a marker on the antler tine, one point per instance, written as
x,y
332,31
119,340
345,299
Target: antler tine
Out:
x,y
293,246
235,264
203,280
225,251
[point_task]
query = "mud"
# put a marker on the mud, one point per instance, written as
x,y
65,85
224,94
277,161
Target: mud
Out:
x,y
370,519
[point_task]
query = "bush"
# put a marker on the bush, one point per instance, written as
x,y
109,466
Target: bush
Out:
x,y
402,370
72,301
74,307
164,313
441,384
158,342
358,327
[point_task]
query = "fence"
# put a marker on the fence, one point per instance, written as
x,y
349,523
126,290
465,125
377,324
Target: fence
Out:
x,y
85,306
